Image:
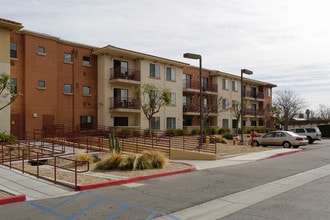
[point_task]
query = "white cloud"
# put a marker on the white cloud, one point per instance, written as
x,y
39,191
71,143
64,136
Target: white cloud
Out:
x,y
283,42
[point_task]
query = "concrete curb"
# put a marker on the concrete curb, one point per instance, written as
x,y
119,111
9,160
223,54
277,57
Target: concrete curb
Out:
x,y
281,154
12,199
134,179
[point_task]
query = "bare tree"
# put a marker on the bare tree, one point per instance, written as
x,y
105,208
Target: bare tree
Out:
x,y
324,111
7,90
288,103
236,111
152,99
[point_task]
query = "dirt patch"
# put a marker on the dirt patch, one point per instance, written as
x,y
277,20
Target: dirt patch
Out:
x,y
224,151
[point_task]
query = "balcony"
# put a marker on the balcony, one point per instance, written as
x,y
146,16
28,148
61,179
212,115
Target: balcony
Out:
x,y
254,112
253,95
190,108
124,103
125,74
195,85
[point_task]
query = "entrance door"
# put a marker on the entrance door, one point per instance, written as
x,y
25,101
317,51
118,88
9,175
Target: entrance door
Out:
x,y
15,125
48,125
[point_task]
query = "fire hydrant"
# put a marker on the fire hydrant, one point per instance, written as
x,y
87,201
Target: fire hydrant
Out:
x,y
234,139
207,140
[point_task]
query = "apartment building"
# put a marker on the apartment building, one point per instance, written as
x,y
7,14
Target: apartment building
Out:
x,y
55,82
121,73
6,28
82,87
222,98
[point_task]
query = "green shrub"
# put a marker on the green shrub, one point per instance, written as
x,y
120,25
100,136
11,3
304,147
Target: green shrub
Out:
x,y
213,131
195,131
7,138
125,132
228,136
223,130
171,132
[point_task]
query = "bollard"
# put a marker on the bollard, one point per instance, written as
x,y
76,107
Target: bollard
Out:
x,y
252,138
207,141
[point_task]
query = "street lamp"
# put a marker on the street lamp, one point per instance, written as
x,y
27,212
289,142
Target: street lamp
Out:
x,y
247,72
198,57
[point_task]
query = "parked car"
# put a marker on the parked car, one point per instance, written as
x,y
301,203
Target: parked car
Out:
x,y
281,138
312,134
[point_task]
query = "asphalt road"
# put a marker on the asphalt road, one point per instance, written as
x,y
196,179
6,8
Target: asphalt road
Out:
x,y
166,197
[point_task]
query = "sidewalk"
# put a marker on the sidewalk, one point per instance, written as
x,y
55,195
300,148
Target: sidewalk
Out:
x,y
27,187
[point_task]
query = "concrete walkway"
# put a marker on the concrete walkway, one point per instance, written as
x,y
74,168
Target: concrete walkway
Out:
x,y
16,183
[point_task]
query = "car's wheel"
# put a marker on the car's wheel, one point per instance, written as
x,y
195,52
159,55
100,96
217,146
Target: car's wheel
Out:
x,y
286,144
256,143
310,140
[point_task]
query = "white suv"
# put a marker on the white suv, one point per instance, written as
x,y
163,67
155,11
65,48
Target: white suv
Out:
x,y
313,134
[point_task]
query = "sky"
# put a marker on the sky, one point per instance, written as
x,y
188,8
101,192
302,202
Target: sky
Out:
x,y
284,42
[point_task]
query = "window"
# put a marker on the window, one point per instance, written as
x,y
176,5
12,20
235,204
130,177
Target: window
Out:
x,y
269,92
187,79
170,123
173,98
205,83
120,68
86,90
234,85
225,123
13,50
170,73
234,123
41,84
155,123
120,121
225,84
67,57
14,82
86,61
254,123
154,70
205,102
86,122
41,50
67,88
234,105
225,103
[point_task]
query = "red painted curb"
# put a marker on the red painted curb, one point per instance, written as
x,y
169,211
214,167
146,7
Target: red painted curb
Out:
x,y
12,199
282,154
134,179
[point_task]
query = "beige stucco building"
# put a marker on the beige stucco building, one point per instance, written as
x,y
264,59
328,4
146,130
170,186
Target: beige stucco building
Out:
x,y
121,73
6,28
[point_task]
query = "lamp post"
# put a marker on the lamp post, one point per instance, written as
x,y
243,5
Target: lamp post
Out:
x,y
198,57
247,72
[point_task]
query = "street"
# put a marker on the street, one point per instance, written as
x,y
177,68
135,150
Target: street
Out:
x,y
294,186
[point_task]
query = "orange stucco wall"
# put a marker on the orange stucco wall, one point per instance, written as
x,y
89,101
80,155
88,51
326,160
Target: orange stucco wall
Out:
x,y
36,104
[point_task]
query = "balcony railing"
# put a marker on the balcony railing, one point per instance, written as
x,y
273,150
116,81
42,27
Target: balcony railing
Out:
x,y
255,112
254,95
124,102
124,73
189,84
195,108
